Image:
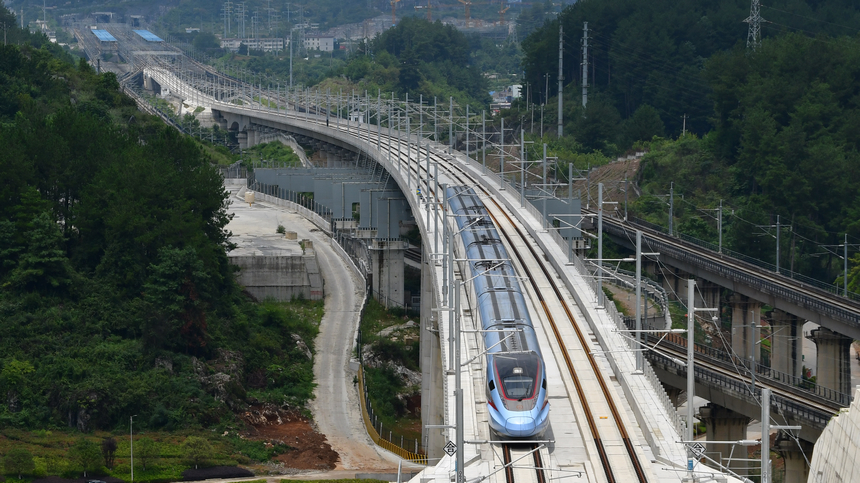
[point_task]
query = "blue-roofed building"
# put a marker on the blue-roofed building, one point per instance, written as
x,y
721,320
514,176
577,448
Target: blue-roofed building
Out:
x,y
103,35
148,36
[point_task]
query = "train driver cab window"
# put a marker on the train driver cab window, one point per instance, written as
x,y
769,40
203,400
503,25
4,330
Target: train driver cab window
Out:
x,y
519,374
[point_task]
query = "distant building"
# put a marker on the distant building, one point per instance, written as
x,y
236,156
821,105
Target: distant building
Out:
x,y
189,30
319,42
266,45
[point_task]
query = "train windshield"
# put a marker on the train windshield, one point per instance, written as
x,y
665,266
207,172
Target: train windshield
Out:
x,y
518,374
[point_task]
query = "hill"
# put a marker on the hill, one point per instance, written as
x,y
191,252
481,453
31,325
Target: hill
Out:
x,y
116,297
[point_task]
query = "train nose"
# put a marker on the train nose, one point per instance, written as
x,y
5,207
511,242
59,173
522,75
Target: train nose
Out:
x,y
520,426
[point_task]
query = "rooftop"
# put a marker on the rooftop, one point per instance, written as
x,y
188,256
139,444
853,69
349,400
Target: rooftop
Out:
x,y
104,35
148,36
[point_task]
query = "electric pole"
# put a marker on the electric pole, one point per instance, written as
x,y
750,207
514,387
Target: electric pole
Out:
x,y
584,65
671,206
754,21
560,76
228,11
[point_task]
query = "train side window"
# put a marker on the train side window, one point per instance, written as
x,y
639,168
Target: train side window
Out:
x,y
492,385
543,384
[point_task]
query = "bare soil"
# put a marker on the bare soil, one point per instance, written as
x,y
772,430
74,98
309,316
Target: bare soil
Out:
x,y
311,450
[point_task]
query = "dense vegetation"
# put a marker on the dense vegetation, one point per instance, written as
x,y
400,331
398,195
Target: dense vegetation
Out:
x,y
773,131
419,57
390,351
785,143
652,53
116,295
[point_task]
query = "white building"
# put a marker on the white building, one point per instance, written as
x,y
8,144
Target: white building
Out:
x,y
319,42
266,45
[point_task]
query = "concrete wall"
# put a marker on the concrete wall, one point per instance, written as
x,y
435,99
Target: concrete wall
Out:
x,y
280,277
837,451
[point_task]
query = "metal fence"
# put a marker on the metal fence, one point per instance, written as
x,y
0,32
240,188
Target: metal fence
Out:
x,y
234,171
806,280
730,361
386,437
741,389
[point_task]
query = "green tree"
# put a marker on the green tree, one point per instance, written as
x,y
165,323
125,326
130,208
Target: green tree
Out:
x,y
43,266
86,455
597,129
147,451
176,292
206,41
643,125
853,275
19,461
196,449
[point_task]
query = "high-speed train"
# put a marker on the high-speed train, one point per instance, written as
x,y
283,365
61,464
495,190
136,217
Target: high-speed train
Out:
x,y
516,376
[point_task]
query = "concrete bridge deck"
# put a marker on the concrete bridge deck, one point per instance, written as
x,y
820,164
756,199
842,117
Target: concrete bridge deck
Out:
x,y
655,425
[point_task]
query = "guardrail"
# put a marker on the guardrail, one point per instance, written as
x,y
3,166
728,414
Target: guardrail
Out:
x,y
749,278
726,384
829,287
728,361
656,386
376,430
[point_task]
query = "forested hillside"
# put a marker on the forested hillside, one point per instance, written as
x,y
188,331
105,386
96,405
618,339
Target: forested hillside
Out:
x,y
774,131
419,57
652,53
116,297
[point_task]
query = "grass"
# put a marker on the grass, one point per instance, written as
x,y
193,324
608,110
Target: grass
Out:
x,y
274,151
50,450
383,383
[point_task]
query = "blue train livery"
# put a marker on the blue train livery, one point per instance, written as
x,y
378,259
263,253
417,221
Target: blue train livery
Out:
x,y
516,375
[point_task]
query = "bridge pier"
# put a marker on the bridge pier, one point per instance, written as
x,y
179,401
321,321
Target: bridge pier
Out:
x,y
387,260
796,467
833,359
432,387
674,280
786,347
723,424
710,294
745,336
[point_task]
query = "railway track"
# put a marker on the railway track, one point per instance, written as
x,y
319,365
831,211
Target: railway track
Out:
x,y
679,352
606,431
523,463
805,295
592,389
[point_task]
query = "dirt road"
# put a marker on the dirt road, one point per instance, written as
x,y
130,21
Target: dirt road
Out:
x,y
336,410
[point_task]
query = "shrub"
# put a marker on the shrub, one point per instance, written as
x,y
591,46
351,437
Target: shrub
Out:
x,y
196,449
19,461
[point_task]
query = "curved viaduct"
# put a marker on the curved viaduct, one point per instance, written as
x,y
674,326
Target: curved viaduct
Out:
x,y
645,407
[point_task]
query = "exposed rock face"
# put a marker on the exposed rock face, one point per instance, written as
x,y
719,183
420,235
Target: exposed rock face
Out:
x,y
302,346
222,377
164,363
13,402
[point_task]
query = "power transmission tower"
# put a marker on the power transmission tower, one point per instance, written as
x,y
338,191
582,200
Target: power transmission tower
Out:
x,y
584,65
754,21
227,12
240,19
